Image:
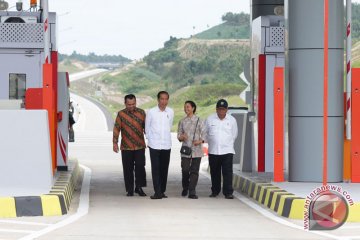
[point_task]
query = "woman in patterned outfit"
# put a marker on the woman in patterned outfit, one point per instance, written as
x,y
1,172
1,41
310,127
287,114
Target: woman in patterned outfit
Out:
x,y
191,132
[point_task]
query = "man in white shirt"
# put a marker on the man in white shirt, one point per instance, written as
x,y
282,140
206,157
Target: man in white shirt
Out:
x,y
221,134
158,125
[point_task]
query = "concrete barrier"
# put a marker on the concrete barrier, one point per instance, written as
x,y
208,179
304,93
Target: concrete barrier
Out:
x,y
55,203
25,155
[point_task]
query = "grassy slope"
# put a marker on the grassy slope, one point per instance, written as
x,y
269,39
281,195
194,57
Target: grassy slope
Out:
x,y
225,31
193,48
72,66
138,78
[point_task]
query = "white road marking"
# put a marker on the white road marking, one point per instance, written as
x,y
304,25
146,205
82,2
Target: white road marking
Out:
x,y
273,217
350,227
83,208
24,223
15,231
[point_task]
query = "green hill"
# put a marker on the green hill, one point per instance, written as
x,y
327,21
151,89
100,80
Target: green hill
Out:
x,y
202,68
187,63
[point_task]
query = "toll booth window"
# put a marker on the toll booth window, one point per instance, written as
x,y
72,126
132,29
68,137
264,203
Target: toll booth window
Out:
x,y
17,86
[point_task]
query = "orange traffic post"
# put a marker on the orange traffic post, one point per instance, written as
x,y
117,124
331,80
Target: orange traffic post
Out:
x,y
355,128
278,124
49,105
347,147
347,160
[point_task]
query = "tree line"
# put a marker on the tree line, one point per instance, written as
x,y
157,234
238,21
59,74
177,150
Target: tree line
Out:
x,y
94,58
236,18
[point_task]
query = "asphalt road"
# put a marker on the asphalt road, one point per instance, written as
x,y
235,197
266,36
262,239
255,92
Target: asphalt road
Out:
x,y
101,209
112,215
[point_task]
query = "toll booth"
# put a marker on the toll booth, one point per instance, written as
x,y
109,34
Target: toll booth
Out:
x,y
63,123
267,52
34,103
244,143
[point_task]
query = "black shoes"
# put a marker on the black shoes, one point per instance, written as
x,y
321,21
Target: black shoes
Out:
x,y
156,196
193,196
139,191
213,195
229,196
184,193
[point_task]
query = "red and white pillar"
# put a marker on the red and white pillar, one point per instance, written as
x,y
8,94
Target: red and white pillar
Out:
x,y
348,69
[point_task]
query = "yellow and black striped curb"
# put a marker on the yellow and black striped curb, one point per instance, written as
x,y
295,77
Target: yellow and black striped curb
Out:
x,y
280,201
285,204
55,203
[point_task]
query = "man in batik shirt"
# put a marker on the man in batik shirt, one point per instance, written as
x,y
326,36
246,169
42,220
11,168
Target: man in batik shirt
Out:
x,y
130,122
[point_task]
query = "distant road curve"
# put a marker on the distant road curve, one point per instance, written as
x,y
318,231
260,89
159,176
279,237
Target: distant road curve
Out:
x,y
108,115
85,74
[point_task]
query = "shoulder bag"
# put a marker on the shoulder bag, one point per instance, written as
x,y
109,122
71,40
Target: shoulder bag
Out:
x,y
185,149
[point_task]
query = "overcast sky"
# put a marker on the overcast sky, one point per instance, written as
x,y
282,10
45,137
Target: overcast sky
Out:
x,y
132,28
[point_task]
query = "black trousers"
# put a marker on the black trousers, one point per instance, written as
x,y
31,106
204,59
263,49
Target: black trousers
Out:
x,y
160,160
134,159
190,173
224,164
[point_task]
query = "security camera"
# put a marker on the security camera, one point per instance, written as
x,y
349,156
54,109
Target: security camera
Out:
x,y
279,10
3,5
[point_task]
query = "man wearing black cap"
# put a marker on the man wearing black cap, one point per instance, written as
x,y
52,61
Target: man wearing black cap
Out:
x,y
221,134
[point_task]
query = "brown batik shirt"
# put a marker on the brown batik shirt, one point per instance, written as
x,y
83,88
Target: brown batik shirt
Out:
x,y
131,126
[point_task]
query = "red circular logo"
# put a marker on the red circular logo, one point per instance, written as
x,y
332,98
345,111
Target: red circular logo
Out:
x,y
328,211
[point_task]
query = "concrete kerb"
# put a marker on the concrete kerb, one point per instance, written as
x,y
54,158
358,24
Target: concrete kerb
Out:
x,y
280,201
55,203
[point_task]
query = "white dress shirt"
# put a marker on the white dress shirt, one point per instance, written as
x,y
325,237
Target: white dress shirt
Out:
x,y
221,134
158,128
